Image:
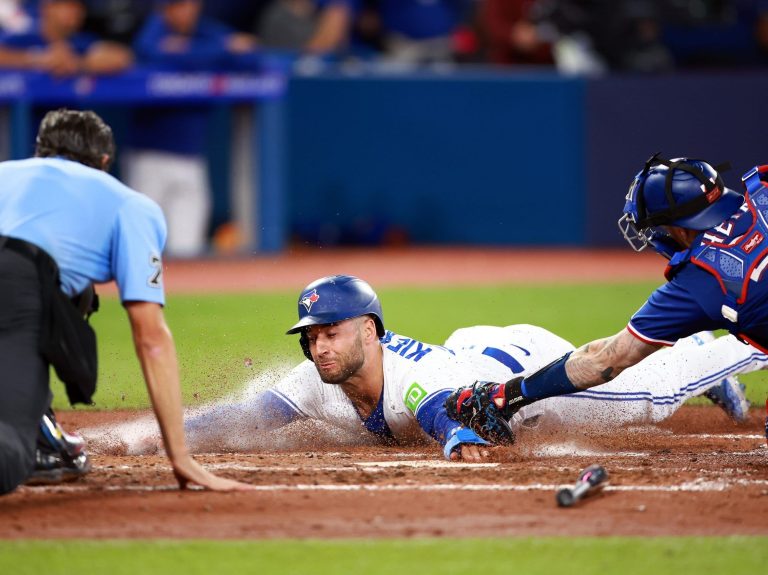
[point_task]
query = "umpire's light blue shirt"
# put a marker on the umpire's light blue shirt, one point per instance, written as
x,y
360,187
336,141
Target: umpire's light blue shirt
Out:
x,y
96,228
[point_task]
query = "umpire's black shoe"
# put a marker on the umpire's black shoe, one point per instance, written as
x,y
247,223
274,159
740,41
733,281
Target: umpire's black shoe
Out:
x,y
48,469
59,456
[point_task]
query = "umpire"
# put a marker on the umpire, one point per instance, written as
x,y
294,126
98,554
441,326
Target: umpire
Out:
x,y
63,205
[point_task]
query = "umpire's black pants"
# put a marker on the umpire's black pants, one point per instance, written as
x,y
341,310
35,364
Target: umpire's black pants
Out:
x,y
24,383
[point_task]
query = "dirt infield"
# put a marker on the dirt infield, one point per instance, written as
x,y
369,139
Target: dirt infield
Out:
x,y
698,474
412,266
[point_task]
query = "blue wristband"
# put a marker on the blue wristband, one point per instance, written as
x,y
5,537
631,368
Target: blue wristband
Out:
x,y
549,381
461,435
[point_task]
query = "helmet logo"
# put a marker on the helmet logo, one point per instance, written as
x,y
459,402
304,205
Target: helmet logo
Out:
x,y
309,299
714,194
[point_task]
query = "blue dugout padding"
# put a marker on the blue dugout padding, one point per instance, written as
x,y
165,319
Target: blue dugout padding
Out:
x,y
713,117
498,158
470,158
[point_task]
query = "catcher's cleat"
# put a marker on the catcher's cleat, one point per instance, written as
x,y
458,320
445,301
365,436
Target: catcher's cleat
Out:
x,y
483,407
59,456
729,395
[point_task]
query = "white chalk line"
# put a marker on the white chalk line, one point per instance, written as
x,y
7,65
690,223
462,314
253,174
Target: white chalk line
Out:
x,y
721,436
428,464
380,466
698,485
369,466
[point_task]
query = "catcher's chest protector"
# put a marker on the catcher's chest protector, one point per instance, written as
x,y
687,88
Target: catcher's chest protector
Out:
x,y
735,251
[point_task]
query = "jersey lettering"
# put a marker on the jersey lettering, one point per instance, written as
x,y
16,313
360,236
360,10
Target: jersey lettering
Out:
x,y
725,228
420,352
404,344
401,341
407,347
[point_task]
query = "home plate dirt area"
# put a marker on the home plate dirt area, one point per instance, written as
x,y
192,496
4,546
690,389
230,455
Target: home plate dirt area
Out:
x,y
697,474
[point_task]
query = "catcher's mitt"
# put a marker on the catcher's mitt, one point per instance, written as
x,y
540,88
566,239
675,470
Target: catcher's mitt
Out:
x,y
476,407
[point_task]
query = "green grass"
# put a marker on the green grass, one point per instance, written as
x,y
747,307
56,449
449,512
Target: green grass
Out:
x,y
216,333
523,556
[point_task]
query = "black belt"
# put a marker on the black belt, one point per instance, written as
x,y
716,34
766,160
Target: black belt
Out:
x,y
22,247
86,301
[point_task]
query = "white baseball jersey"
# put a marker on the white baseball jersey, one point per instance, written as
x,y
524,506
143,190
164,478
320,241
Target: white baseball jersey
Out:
x,y
414,372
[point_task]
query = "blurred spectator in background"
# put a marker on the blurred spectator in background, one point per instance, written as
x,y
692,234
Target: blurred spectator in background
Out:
x,y
240,15
177,37
594,36
167,156
421,31
367,40
116,20
14,17
309,26
512,37
55,43
761,31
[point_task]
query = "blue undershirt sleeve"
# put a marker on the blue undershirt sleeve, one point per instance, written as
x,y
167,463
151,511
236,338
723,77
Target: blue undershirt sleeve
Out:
x,y
434,420
268,411
272,410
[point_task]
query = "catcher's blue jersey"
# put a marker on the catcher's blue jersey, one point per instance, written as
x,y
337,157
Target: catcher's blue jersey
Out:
x,y
720,281
693,301
94,227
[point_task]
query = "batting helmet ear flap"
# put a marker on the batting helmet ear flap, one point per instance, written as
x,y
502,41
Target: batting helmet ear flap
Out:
x,y
304,343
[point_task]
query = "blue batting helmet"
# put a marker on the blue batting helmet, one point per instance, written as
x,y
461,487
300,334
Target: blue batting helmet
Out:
x,y
333,299
680,192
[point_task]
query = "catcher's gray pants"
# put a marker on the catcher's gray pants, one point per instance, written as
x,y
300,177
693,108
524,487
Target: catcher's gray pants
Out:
x,y
23,372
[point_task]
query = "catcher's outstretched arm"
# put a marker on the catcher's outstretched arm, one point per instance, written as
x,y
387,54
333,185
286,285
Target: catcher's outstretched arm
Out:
x,y
602,360
595,363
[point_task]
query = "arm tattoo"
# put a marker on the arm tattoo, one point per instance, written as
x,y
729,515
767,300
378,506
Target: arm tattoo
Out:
x,y
602,360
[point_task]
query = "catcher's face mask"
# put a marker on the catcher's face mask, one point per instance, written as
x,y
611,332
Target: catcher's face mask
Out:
x,y
637,238
679,192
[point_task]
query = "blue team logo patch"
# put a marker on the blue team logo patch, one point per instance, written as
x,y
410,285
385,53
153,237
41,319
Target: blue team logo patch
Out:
x,y
309,299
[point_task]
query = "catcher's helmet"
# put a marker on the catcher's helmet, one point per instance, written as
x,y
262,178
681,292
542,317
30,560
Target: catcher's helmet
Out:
x,y
680,192
336,298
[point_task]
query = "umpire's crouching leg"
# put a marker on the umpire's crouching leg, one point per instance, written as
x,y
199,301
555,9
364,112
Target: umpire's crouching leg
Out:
x,y
23,372
16,459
